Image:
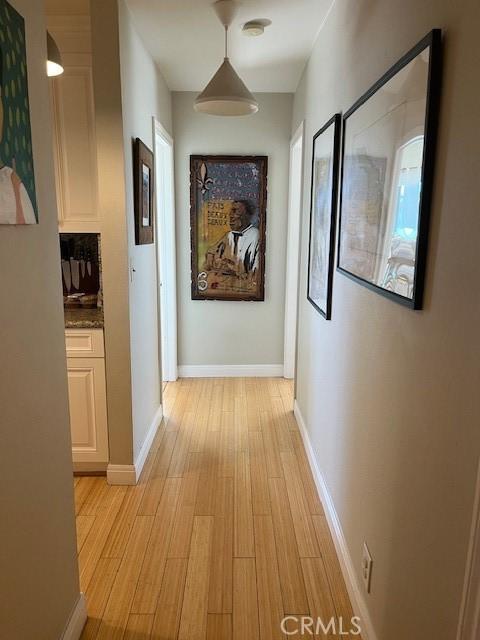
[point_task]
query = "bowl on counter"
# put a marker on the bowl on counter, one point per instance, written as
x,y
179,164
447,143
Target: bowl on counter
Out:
x,y
88,302
80,301
71,302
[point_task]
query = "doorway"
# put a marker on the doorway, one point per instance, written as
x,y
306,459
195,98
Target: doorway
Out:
x,y
293,251
166,253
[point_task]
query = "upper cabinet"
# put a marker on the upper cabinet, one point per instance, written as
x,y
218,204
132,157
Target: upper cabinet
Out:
x,y
74,127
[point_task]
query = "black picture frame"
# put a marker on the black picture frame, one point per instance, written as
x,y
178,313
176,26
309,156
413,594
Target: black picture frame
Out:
x,y
143,165
335,122
433,42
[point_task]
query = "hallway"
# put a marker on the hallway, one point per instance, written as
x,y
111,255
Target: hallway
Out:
x,y
223,536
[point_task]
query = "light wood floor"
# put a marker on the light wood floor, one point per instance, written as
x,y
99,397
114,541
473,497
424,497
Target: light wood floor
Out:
x,y
223,536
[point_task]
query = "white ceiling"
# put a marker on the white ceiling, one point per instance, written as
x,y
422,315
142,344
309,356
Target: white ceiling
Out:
x,y
185,38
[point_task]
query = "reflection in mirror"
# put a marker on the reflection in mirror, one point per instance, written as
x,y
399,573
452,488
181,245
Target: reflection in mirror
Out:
x,y
398,271
382,183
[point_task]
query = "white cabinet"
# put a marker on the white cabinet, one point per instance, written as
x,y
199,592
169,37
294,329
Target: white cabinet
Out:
x,y
75,150
87,398
74,127
84,343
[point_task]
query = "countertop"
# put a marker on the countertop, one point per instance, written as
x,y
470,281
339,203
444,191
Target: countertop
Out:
x,y
83,318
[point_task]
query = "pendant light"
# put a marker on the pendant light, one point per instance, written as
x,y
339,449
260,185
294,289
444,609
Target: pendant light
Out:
x,y
226,94
54,59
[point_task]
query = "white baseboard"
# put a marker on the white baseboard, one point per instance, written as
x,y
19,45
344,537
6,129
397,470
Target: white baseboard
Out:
x,y
121,474
230,371
147,443
77,620
128,474
469,619
346,563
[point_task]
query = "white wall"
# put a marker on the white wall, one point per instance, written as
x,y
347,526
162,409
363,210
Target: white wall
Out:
x,y
391,396
144,94
39,577
111,205
233,333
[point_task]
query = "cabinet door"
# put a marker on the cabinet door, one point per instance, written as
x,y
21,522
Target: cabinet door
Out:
x,y
75,150
88,409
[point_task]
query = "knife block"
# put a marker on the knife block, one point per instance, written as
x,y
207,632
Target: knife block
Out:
x,y
88,284
77,251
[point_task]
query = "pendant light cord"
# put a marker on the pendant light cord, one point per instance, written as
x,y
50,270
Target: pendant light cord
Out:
x,y
226,41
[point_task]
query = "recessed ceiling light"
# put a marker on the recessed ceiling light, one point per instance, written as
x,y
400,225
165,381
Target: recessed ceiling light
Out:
x,y
255,27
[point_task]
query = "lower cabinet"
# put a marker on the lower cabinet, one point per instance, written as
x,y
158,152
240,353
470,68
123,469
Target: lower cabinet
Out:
x,y
87,397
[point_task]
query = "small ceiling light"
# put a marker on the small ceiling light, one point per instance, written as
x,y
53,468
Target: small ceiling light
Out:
x,y
54,59
226,94
255,27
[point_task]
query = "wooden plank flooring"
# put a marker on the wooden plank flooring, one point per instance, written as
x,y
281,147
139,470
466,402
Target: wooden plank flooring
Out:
x,y
223,536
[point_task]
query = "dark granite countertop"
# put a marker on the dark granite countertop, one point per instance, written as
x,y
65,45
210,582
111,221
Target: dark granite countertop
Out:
x,y
83,318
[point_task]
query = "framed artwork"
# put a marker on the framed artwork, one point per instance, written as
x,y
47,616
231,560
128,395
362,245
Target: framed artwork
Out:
x,y
389,139
228,198
323,206
18,202
143,173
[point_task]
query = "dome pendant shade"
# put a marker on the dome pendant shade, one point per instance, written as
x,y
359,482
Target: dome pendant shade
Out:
x,y
54,58
226,94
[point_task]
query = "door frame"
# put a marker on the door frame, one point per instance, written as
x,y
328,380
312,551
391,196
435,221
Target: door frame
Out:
x,y
295,206
166,251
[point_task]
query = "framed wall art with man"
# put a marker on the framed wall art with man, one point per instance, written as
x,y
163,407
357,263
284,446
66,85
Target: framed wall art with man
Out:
x,y
228,218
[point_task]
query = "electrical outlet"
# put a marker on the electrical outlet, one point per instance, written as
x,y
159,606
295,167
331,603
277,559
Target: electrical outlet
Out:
x,y
367,564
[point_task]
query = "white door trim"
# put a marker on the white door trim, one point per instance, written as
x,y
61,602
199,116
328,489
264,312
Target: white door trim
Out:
x,y
295,200
166,254
469,622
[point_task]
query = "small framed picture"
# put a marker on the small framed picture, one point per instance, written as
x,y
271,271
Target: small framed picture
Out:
x,y
146,213
143,171
389,138
323,207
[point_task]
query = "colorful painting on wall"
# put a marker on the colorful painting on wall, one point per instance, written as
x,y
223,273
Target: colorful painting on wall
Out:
x,y
228,212
323,208
18,203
